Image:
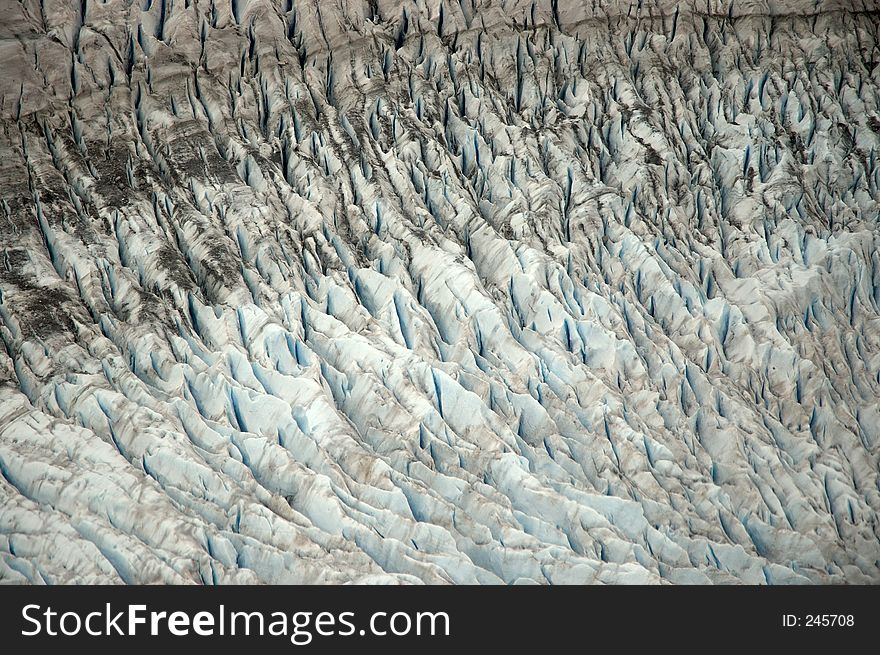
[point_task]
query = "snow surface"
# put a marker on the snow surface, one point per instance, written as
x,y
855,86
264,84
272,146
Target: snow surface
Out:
x,y
438,291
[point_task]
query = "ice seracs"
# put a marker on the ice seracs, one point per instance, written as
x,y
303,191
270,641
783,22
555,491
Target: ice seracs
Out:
x,y
479,292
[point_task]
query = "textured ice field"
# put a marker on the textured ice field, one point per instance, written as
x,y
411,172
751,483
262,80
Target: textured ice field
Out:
x,y
323,291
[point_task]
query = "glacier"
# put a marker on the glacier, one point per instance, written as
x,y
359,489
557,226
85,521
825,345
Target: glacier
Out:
x,y
440,291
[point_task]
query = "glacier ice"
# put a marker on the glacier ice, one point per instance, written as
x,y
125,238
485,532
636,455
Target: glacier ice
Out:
x,y
490,291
